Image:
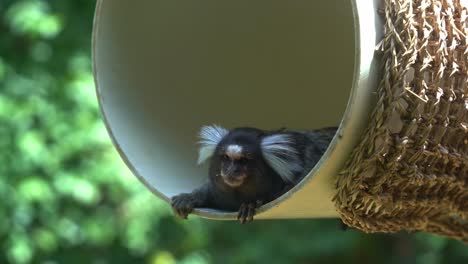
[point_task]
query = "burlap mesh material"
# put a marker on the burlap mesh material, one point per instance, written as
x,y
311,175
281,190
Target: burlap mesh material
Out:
x,y
410,170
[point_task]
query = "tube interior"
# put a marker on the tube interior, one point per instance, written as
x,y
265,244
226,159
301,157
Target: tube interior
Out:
x,y
166,68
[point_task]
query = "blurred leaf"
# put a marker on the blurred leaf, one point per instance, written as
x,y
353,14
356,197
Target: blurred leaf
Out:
x,y
32,17
195,258
35,189
20,251
163,257
32,145
98,229
41,51
6,106
77,188
68,230
45,239
2,69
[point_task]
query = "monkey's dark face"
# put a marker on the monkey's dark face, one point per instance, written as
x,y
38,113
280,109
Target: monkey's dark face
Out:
x,y
248,159
238,156
234,164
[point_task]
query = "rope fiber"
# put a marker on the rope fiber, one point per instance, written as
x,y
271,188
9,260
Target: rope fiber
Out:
x,y
410,170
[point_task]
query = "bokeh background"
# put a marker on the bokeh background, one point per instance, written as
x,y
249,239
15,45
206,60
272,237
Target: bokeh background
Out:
x,y
66,196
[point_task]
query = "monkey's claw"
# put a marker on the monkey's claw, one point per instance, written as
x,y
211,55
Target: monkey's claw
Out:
x,y
247,212
182,205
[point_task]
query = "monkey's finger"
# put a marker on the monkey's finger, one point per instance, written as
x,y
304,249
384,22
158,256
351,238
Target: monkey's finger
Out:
x,y
243,211
239,214
175,202
251,212
184,214
187,211
177,210
244,217
178,213
186,208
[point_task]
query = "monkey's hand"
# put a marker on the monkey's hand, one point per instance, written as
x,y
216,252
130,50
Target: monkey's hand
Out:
x,y
183,204
247,211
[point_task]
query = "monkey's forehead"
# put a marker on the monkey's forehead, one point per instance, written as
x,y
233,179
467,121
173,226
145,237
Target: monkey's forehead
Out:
x,y
239,144
236,148
241,138
245,134
234,151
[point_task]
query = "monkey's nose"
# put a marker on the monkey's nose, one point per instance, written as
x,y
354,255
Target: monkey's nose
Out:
x,y
230,172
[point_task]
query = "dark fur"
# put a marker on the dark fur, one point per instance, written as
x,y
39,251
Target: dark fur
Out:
x,y
263,184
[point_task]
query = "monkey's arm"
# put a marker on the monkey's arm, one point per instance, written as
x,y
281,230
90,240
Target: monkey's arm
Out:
x,y
184,203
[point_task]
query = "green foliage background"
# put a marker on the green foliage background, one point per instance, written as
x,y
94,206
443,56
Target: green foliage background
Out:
x,y
66,196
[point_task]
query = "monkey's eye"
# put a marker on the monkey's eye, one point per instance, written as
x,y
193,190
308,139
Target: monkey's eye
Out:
x,y
225,157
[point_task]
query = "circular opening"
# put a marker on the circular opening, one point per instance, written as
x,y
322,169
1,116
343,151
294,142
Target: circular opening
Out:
x,y
163,69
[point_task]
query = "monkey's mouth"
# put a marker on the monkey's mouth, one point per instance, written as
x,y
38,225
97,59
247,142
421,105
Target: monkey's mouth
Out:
x,y
234,181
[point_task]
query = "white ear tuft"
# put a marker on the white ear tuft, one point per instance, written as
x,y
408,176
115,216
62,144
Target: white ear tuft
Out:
x,y
279,152
210,136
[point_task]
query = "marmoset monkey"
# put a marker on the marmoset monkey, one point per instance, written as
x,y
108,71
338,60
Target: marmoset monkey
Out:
x,y
250,167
